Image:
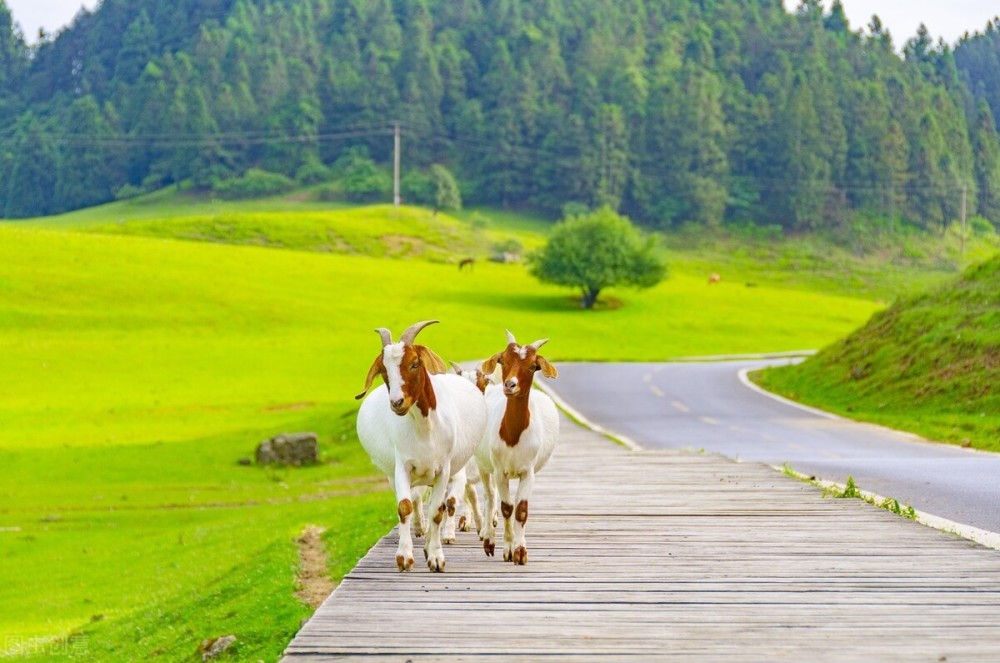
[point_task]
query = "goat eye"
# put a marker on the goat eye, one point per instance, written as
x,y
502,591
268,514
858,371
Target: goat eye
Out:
x,y
415,366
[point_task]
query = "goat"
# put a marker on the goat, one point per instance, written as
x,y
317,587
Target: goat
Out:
x,y
466,262
422,445
521,434
714,278
464,483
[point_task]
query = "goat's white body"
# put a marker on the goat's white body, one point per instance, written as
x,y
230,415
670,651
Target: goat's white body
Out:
x,y
450,431
414,450
537,442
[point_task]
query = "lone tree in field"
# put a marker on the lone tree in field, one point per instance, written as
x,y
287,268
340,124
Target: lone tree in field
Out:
x,y
597,250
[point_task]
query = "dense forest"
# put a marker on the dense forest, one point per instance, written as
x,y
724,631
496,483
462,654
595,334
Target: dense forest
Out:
x,y
669,111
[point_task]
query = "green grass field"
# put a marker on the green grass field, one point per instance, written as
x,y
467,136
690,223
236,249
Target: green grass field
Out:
x,y
139,366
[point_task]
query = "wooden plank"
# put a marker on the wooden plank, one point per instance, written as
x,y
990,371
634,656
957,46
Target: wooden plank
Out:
x,y
669,554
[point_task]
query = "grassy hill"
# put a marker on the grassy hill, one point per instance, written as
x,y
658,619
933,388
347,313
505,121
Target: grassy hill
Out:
x,y
138,368
929,364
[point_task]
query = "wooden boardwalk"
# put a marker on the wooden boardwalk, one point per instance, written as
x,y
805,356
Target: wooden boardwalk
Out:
x,y
660,555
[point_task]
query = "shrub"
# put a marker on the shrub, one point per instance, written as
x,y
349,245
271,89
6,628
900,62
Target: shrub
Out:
x,y
128,191
255,183
313,172
417,188
363,181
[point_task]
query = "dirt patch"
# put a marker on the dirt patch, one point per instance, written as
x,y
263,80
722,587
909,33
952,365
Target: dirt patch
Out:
x,y
401,246
314,582
289,407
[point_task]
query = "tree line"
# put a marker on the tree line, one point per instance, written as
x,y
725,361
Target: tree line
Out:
x,y
669,111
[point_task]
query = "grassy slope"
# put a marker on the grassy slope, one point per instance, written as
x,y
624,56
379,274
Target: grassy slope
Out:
x,y
137,370
929,364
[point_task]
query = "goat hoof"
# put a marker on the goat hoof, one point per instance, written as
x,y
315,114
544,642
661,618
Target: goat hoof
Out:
x,y
508,554
489,547
463,524
447,539
405,563
436,564
520,556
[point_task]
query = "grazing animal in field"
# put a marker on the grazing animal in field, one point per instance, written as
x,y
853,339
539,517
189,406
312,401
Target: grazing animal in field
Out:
x,y
420,431
466,262
714,278
521,434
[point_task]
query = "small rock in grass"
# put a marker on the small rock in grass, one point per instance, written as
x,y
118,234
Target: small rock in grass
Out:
x,y
289,449
213,647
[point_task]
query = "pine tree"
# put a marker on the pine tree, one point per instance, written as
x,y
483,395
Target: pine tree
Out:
x,y
986,145
31,178
91,165
136,50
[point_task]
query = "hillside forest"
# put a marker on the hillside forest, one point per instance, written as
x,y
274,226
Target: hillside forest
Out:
x,y
668,111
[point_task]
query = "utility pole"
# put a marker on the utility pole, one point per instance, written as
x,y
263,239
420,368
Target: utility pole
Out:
x,y
892,207
395,163
965,189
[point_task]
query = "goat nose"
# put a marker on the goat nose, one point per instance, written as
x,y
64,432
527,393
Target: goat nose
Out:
x,y
396,404
510,384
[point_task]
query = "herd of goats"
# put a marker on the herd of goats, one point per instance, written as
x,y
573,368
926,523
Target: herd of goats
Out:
x,y
449,431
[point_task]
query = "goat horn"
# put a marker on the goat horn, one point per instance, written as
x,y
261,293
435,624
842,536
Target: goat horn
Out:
x,y
457,367
411,332
386,336
510,337
537,344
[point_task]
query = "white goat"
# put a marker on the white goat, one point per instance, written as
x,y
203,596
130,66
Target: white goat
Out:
x,y
423,445
463,497
521,434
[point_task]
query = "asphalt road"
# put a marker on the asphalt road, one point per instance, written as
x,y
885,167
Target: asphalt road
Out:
x,y
705,406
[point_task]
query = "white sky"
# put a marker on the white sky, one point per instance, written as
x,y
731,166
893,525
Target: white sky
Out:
x,y
949,19
944,18
49,14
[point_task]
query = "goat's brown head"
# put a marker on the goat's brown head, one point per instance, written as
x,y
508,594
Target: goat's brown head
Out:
x,y
519,363
475,376
406,368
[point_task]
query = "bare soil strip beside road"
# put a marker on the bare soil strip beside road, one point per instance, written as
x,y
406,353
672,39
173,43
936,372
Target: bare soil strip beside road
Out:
x,y
674,554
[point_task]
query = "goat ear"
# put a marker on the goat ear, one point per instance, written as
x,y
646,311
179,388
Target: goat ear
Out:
x,y
434,364
490,364
548,370
372,372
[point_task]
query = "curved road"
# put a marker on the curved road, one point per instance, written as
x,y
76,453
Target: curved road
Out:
x,y
705,406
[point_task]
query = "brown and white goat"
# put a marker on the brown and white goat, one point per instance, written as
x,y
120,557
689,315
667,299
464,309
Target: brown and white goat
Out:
x,y
420,430
521,434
